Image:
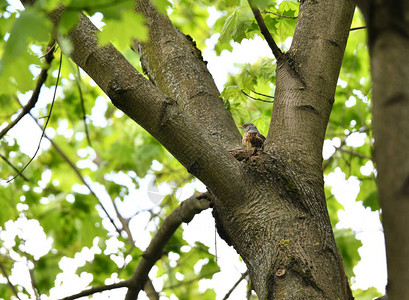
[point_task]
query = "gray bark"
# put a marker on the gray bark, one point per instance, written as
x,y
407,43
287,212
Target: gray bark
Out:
x,y
388,30
270,207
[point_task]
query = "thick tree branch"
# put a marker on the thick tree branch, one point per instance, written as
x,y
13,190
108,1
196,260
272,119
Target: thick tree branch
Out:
x,y
183,213
306,82
174,63
150,291
388,39
36,92
159,114
139,280
278,54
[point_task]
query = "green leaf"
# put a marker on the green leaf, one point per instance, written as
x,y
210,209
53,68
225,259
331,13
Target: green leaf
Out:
x,y
235,26
67,21
262,123
368,194
368,294
102,266
31,26
333,206
46,270
162,5
209,269
348,245
130,26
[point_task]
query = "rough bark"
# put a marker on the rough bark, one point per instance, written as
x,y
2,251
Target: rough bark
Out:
x,y
271,206
388,30
174,64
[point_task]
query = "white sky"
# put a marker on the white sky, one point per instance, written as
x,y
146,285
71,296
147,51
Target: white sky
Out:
x,y
371,271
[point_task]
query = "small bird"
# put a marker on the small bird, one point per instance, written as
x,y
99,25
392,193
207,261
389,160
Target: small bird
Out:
x,y
252,137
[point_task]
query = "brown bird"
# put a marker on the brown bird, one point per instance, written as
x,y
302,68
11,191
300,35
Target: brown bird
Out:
x,y
252,137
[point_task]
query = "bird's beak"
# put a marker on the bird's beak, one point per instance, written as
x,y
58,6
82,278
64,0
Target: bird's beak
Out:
x,y
240,126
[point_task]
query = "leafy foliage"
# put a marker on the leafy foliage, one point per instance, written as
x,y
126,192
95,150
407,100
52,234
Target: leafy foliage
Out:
x,y
71,186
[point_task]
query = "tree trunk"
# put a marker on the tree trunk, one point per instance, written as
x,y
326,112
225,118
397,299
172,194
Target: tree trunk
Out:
x,y
271,206
388,26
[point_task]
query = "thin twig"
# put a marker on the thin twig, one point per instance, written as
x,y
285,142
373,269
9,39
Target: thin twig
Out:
x,y
98,289
124,222
261,94
11,165
340,148
357,28
13,288
46,122
264,30
78,173
173,286
258,99
354,153
281,16
235,285
36,92
84,116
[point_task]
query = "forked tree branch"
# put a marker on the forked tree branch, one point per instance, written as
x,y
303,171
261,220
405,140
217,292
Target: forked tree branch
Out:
x,y
155,111
187,79
183,213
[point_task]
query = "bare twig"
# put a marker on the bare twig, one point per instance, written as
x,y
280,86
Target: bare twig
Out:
x,y
183,213
36,92
124,222
13,288
11,165
264,30
341,149
33,283
281,16
354,153
46,122
98,289
235,285
78,173
84,116
186,282
357,28
261,94
257,99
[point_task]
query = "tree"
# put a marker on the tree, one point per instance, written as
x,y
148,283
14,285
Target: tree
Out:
x,y
388,34
269,205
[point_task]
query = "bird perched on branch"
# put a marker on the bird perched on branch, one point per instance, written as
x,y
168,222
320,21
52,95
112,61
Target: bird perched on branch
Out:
x,y
252,137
